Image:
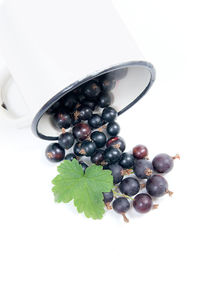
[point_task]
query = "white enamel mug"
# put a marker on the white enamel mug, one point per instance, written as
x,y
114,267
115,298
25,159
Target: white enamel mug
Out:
x,y
51,47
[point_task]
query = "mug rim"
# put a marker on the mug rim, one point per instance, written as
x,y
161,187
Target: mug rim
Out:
x,y
78,83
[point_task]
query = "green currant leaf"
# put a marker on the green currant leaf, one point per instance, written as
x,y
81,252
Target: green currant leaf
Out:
x,y
86,189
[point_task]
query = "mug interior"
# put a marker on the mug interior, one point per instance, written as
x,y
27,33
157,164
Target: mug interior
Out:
x,y
135,82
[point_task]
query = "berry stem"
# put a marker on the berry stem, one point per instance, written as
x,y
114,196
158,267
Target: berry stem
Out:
x,y
155,206
108,205
177,156
63,130
169,193
142,185
126,220
148,172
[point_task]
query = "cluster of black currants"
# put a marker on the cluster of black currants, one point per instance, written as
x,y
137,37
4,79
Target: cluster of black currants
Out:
x,y
138,163
88,123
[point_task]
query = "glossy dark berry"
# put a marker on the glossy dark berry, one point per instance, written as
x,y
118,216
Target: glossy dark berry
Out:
x,y
61,119
113,129
129,186
83,165
108,197
157,186
163,163
83,113
104,100
116,142
70,156
99,138
109,114
97,158
77,149
88,148
92,89
112,155
126,160
107,84
143,168
66,140
55,153
140,151
121,205
95,121
142,203
81,131
117,172
69,101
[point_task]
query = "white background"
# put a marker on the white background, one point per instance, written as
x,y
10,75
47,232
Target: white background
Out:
x,y
48,251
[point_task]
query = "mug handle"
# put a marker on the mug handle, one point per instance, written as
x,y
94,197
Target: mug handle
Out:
x,y
18,122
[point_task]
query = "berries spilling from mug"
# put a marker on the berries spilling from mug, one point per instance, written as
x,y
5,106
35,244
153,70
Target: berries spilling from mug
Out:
x,y
87,124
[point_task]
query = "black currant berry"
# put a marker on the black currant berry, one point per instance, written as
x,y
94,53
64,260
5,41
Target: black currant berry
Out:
x,y
77,149
92,89
107,84
55,153
61,119
95,121
140,152
70,156
99,138
107,198
97,158
112,155
163,163
81,131
121,205
104,100
143,168
113,129
88,148
66,140
83,113
129,186
117,172
157,186
109,114
126,160
116,142
142,203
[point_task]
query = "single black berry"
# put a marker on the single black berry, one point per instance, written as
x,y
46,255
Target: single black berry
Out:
x,y
97,158
105,100
55,153
88,148
95,121
113,129
66,140
112,155
109,114
92,89
81,131
116,142
126,160
61,119
129,186
99,138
